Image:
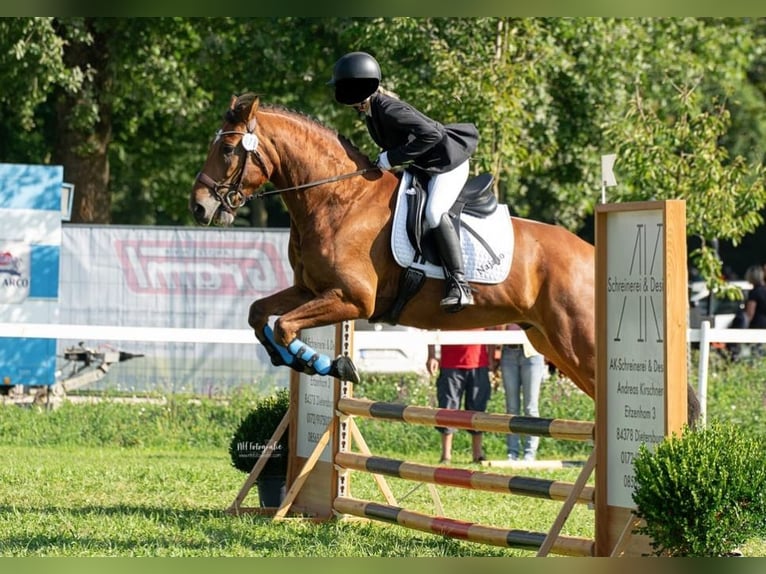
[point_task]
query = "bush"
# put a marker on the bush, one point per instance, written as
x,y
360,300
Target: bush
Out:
x,y
702,494
253,434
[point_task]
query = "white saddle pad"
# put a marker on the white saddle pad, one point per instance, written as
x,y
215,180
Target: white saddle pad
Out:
x,y
480,267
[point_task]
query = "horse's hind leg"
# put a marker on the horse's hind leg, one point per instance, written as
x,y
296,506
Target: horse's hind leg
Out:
x,y
573,355
576,359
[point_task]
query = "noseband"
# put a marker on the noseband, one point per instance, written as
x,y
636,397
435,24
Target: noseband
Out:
x,y
227,192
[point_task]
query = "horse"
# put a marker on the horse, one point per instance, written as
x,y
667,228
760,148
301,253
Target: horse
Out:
x,y
340,207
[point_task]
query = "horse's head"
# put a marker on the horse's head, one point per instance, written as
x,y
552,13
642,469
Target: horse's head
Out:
x,y
234,167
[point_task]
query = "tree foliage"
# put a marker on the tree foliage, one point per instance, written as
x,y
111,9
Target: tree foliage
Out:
x,y
129,105
675,152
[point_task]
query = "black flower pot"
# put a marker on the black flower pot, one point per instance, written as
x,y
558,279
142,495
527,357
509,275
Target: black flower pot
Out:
x,y
249,443
271,491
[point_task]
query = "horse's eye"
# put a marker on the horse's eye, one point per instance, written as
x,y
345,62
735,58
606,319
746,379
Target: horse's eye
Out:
x,y
228,149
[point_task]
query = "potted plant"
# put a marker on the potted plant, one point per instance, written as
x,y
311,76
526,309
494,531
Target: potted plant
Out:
x,y
702,494
250,440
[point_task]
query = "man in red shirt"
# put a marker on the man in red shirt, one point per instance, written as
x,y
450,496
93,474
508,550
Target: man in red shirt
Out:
x,y
463,372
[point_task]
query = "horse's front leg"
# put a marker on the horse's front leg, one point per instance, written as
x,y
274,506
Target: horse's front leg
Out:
x,y
300,309
275,304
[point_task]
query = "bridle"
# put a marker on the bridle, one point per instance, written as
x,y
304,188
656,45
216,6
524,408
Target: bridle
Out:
x,y
228,192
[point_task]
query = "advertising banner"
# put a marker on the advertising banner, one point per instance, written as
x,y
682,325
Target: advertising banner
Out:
x,y
175,277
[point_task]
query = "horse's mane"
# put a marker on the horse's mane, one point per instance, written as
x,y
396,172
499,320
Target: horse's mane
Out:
x,y
245,101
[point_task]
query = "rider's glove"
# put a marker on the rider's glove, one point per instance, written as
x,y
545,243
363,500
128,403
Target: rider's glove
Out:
x,y
383,162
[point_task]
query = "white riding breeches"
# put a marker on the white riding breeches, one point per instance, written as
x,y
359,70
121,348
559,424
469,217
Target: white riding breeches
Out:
x,y
443,189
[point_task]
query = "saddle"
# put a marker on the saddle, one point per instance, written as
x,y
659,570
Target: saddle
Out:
x,y
475,199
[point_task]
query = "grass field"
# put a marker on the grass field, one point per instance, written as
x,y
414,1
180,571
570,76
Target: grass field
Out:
x,y
154,480
87,501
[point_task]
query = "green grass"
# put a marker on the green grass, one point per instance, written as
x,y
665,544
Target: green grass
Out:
x,y
154,480
88,501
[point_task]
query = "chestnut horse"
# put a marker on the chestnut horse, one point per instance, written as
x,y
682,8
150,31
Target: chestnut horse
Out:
x,y
340,248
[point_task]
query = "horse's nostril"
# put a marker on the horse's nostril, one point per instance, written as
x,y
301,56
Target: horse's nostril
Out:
x,y
199,211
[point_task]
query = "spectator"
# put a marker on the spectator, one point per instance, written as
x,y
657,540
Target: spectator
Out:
x,y
522,369
739,322
463,373
755,306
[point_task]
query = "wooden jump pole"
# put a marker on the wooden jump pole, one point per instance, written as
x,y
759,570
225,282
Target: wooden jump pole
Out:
x,y
472,532
476,480
544,543
469,420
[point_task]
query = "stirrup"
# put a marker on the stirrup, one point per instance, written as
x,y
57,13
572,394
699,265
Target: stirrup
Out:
x,y
458,296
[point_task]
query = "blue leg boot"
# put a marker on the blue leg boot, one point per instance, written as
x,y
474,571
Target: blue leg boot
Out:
x,y
299,356
277,353
310,362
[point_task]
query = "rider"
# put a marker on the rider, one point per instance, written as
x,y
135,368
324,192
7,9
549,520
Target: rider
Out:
x,y
407,136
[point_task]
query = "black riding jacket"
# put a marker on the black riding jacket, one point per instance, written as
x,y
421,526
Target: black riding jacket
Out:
x,y
409,136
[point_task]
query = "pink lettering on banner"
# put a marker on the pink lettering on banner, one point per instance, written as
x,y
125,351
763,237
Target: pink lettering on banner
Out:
x,y
202,267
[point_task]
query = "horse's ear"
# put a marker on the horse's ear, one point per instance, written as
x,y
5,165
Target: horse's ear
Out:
x,y
243,107
253,109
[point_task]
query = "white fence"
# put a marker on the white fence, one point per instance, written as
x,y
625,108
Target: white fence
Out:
x,y
705,336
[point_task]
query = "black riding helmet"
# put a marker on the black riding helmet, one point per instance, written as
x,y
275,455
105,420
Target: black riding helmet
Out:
x,y
355,76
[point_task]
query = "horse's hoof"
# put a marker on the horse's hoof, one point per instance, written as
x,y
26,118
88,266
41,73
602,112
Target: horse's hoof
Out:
x,y
344,369
274,356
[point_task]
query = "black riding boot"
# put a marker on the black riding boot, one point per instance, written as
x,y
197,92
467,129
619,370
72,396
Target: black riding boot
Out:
x,y
458,292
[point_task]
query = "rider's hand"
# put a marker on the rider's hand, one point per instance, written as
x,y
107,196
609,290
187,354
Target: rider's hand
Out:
x,y
383,162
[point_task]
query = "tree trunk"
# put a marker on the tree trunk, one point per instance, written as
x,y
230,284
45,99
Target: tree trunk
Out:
x,y
82,142
86,165
259,216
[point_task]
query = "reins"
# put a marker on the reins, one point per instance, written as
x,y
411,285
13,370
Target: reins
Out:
x,y
335,178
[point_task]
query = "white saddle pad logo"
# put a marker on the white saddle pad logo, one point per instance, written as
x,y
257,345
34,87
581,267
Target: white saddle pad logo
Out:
x,y
480,265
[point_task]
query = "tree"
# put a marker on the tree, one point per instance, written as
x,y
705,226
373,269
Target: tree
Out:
x,y
101,73
124,103
676,153
129,105
548,93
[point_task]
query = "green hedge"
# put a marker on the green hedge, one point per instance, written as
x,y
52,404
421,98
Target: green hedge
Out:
x,y
702,494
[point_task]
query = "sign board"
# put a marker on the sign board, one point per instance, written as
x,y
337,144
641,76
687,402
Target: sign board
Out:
x,y
30,246
641,346
313,399
316,396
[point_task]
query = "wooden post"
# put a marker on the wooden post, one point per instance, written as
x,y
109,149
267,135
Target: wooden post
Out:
x,y
641,376
313,400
